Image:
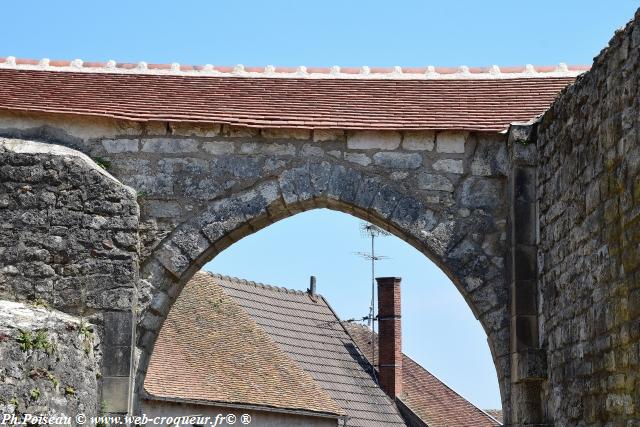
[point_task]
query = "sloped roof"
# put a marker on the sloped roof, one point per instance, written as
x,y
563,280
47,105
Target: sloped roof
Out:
x,y
495,413
428,397
210,350
308,330
482,99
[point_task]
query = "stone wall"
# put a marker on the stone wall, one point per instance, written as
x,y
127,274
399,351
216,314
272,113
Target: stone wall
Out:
x,y
69,241
202,187
50,363
589,242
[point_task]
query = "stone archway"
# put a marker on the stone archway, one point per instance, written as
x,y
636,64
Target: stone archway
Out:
x,y
453,238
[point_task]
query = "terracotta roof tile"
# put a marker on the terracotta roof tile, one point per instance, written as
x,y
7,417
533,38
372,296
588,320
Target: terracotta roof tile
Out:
x,y
309,331
428,397
482,99
210,350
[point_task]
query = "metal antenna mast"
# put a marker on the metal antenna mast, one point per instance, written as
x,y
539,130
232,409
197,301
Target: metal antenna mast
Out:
x,y
368,230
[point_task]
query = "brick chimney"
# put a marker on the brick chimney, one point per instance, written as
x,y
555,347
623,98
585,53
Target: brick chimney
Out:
x,y
389,335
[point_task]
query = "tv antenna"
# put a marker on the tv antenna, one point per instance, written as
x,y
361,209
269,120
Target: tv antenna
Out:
x,y
371,231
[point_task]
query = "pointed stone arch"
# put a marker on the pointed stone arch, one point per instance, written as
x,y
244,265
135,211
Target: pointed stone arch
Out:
x,y
451,238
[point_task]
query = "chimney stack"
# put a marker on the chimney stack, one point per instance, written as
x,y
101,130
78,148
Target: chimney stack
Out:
x,y
389,336
312,286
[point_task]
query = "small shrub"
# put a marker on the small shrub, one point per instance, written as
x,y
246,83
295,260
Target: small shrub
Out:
x,y
35,393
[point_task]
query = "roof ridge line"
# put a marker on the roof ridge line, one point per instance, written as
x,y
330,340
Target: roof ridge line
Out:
x,y
257,284
336,72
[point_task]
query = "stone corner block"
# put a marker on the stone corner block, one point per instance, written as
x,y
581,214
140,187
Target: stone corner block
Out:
x,y
524,153
528,365
369,140
521,132
115,393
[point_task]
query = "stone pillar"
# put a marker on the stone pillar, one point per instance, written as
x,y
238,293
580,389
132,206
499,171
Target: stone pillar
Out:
x,y
389,335
116,362
528,363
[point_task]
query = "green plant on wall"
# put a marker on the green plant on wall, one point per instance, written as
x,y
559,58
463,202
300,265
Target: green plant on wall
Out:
x,y
40,341
54,380
86,333
103,163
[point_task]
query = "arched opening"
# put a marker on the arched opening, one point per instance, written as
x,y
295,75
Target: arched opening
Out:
x,y
465,244
277,211
439,330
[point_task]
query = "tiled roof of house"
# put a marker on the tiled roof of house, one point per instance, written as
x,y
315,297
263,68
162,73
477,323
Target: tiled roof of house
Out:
x,y
308,330
482,99
210,350
495,413
425,395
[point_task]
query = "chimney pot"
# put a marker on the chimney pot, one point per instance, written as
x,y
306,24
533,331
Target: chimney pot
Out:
x,y
389,336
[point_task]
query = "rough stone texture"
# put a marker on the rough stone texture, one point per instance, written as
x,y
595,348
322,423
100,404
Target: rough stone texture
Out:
x,y
589,244
202,194
69,240
398,160
449,166
66,226
559,303
50,363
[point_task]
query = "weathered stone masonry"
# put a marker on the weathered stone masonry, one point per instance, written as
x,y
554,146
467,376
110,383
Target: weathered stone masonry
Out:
x,y
589,242
539,229
202,188
68,242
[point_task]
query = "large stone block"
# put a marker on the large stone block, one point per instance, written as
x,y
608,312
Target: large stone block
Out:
x,y
283,133
320,135
369,140
359,158
115,146
394,160
419,140
482,193
427,181
218,147
169,145
449,166
451,142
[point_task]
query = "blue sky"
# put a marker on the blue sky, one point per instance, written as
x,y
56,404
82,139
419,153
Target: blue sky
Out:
x,y
439,329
